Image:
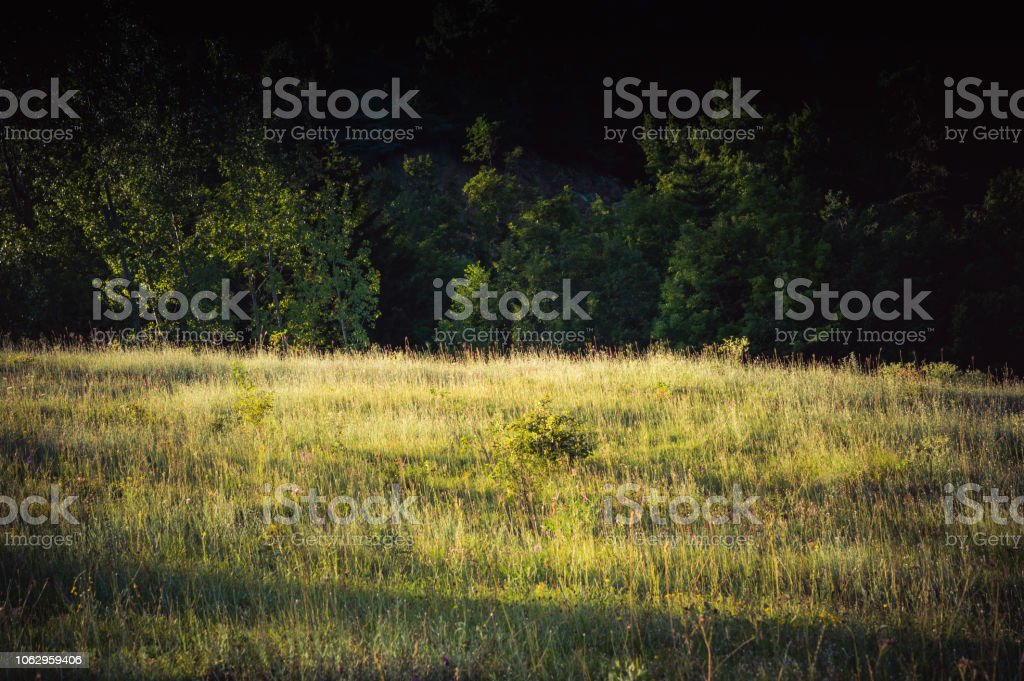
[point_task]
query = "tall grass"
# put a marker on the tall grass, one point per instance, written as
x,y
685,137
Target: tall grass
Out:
x,y
175,573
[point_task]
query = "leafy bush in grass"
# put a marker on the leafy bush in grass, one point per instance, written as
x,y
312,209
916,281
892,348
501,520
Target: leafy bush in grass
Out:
x,y
940,371
733,349
900,371
253,404
528,448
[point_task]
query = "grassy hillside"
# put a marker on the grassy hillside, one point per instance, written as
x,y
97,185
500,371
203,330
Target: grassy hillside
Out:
x,y
174,571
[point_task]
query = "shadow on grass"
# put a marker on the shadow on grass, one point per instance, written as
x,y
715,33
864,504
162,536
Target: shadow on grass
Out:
x,y
254,622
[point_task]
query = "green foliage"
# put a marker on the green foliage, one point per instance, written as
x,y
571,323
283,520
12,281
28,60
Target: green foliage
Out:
x,y
493,198
253,404
554,240
476,276
299,250
732,349
940,371
334,299
900,371
740,221
481,141
531,446
425,237
174,185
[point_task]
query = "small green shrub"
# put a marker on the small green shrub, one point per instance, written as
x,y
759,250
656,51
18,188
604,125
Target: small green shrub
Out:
x,y
253,404
528,448
278,340
901,371
940,371
732,348
662,390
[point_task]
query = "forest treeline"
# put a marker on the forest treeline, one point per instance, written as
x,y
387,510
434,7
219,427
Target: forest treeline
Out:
x,y
168,182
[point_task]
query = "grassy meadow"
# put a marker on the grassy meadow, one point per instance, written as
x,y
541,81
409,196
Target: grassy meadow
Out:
x,y
174,571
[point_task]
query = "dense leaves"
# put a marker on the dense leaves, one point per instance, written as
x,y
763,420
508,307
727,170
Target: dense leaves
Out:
x,y
173,186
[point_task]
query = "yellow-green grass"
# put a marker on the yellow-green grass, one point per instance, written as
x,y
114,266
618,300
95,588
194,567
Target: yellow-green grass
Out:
x,y
174,572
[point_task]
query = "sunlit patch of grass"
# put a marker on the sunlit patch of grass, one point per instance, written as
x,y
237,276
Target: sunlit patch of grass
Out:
x,y
176,573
